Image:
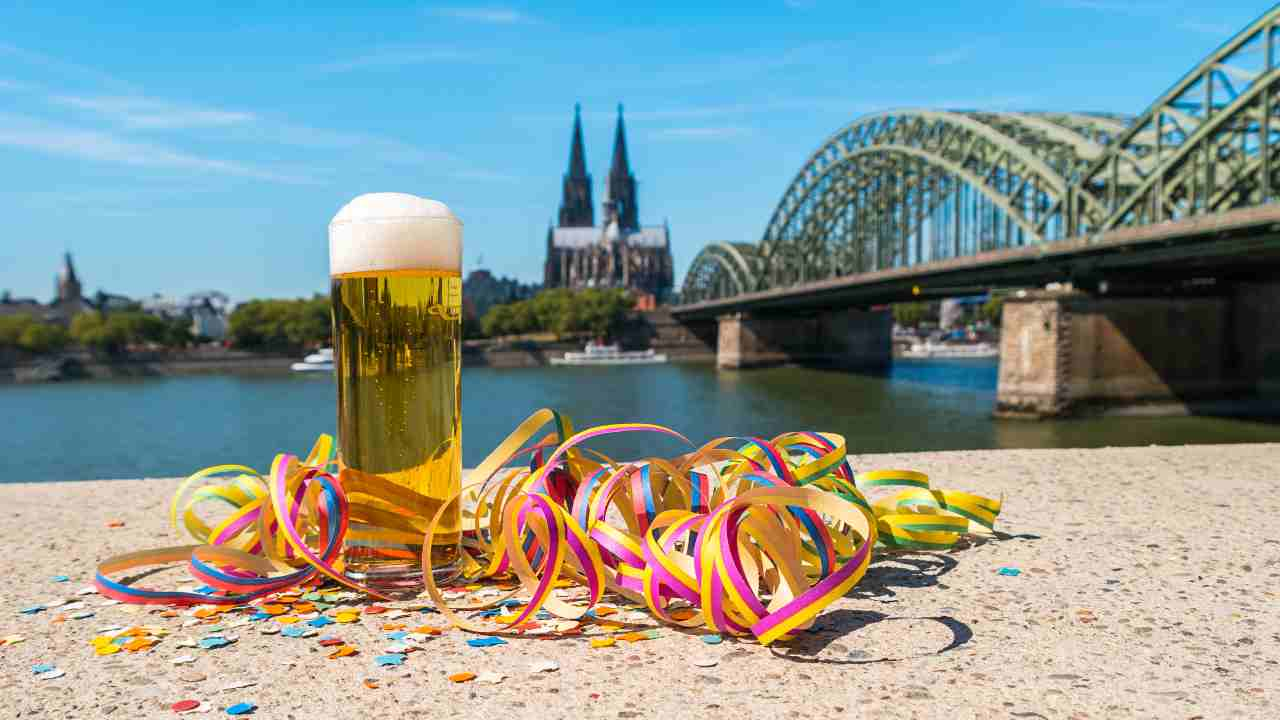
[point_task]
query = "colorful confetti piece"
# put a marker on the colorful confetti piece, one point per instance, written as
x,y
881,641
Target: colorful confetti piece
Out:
x,y
462,677
485,642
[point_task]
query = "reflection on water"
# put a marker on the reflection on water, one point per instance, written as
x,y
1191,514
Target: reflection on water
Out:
x,y
171,426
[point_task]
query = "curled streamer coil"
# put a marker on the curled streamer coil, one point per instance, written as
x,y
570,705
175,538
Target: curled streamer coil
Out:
x,y
744,536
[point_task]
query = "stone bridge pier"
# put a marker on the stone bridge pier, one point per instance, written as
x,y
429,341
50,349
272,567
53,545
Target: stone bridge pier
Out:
x,y
843,338
1062,353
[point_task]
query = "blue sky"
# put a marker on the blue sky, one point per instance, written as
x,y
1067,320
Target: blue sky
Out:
x,y
174,149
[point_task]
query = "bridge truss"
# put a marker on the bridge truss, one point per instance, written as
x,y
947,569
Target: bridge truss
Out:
x,y
905,187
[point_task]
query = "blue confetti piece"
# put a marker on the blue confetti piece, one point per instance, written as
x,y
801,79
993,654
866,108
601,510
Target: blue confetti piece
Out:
x,y
42,668
294,631
32,610
711,639
492,612
241,709
486,642
397,635
1010,571
544,615
319,622
211,643
428,610
205,590
259,616
510,603
391,659
60,578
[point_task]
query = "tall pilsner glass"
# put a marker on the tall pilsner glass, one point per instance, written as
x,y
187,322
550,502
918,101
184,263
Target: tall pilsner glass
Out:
x,y
395,267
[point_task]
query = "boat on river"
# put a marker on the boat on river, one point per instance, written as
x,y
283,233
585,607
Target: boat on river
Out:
x,y
599,354
931,349
319,361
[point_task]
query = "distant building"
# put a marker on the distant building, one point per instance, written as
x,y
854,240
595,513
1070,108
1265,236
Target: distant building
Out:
x,y
481,291
619,253
68,300
207,310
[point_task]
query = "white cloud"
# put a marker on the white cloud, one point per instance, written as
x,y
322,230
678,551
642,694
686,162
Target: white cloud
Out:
x,y
152,114
1221,30
59,67
32,134
492,15
724,132
397,56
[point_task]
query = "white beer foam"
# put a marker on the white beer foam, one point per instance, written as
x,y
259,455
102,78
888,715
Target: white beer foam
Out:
x,y
394,231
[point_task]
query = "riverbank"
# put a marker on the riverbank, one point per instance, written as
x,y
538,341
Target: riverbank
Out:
x,y
1133,599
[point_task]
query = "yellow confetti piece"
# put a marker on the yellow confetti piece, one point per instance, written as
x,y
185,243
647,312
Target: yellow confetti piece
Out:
x,y
605,611
602,642
462,677
287,619
346,617
633,637
610,626
107,649
343,651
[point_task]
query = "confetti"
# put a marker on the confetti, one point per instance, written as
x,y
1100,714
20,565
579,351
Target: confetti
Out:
x,y
705,661
214,642
319,622
299,631
371,683
32,610
374,610
60,578
107,649
389,659
53,674
184,705
241,708
42,668
193,676
486,642
115,523
602,642
539,666
330,642
633,637
239,684
12,640
87,590
1009,571
490,678
342,651
183,660
83,615
711,639
462,677
274,609
347,617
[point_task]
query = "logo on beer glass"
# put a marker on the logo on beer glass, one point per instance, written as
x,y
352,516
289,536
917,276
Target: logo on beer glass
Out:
x,y
395,265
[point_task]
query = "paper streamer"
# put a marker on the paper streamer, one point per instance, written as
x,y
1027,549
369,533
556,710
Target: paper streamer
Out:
x,y
743,535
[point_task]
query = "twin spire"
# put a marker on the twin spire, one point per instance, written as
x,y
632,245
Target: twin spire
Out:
x,y
575,206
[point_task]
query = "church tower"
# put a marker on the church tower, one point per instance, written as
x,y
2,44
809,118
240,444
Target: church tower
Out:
x,y
622,184
67,284
575,203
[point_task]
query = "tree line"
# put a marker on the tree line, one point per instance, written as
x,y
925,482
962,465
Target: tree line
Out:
x,y
109,334
598,311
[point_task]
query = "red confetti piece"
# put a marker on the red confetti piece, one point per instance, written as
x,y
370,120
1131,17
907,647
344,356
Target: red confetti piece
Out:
x,y
184,705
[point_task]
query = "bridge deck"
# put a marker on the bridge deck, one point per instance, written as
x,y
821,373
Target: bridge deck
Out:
x,y
1238,241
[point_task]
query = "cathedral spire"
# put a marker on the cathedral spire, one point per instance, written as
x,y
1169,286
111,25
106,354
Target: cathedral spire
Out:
x,y
619,166
575,201
622,184
577,156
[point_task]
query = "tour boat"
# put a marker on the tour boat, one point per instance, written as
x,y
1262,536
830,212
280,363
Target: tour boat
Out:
x,y
951,350
319,361
597,354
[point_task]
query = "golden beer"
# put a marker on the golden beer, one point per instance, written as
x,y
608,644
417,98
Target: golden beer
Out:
x,y
397,347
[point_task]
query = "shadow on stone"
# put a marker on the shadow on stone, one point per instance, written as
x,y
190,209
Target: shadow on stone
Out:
x,y
842,624
901,570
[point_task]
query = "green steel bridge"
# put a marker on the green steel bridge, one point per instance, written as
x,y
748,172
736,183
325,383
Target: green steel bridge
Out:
x,y
965,200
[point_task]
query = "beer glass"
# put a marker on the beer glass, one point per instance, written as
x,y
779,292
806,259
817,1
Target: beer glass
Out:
x,y
395,271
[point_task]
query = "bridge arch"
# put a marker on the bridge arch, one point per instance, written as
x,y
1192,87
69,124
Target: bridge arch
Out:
x,y
721,270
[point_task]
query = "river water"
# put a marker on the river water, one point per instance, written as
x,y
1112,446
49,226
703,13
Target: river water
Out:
x,y
169,426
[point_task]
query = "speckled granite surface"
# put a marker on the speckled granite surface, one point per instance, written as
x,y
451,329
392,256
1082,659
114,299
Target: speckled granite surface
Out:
x,y
1148,589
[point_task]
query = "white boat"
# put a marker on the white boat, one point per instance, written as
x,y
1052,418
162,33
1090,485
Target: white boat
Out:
x,y
319,361
951,350
596,354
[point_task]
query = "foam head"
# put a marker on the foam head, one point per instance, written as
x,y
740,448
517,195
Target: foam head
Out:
x,y
394,231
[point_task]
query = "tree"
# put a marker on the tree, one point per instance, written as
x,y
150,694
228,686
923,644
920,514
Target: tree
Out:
x,y
910,314
281,324
93,331
43,338
992,309
12,327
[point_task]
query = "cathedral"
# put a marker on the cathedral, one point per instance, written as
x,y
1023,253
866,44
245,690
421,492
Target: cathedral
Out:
x,y
619,253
